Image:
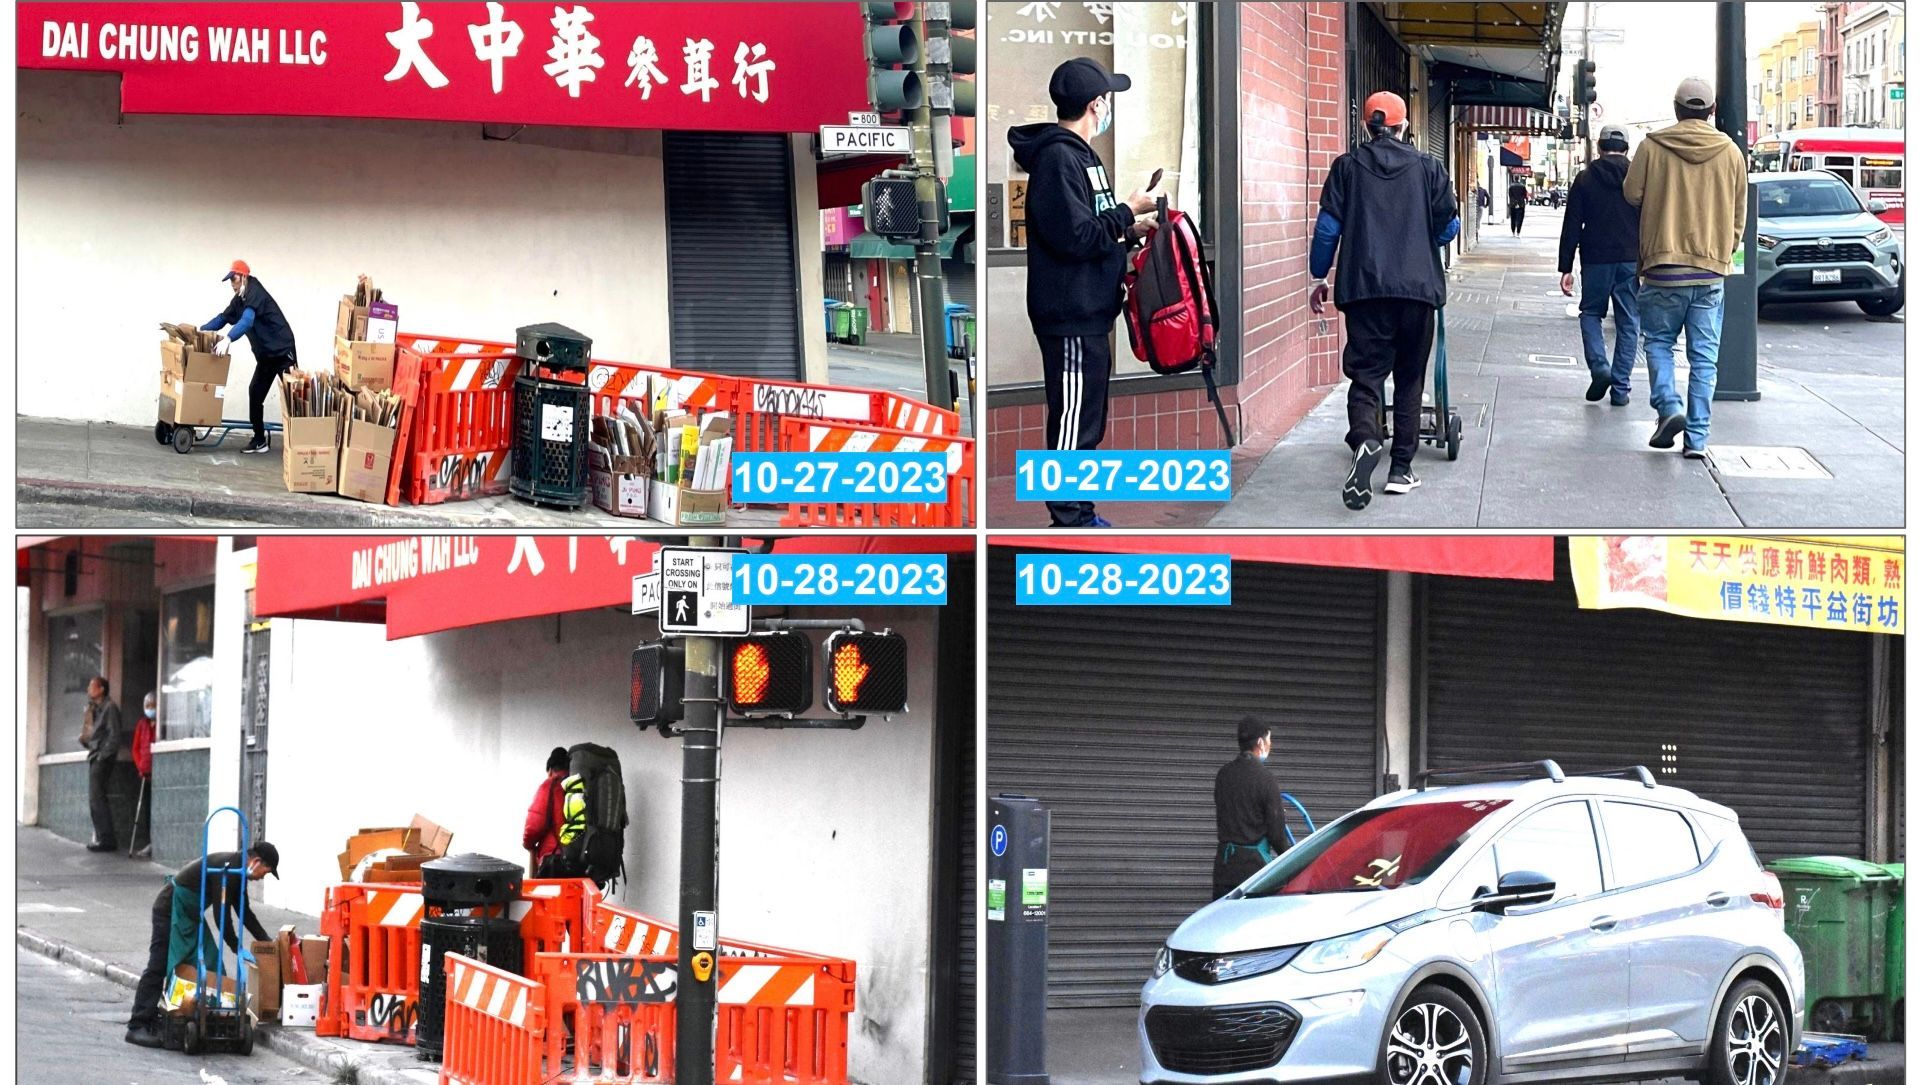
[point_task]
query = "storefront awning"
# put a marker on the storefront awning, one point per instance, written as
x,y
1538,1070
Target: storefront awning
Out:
x,y
1494,54
1511,557
868,246
840,181
716,67
1507,119
431,583
947,243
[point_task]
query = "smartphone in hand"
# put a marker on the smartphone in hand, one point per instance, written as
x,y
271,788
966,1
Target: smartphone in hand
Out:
x,y
1157,175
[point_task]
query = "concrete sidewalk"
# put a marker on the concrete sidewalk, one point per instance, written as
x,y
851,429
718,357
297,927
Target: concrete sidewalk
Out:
x,y
1535,454
91,910
92,474
1100,1047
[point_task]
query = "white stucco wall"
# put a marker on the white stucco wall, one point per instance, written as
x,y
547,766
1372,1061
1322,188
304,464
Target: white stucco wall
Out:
x,y
127,221
825,836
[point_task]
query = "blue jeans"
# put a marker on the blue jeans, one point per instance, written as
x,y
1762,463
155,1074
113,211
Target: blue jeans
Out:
x,y
1664,312
1599,284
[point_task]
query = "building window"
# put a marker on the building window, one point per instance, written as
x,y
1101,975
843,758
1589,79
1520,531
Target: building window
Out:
x,y
75,655
187,664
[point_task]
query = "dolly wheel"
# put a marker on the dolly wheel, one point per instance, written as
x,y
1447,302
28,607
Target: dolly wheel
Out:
x,y
183,439
246,1046
163,432
1452,437
191,1039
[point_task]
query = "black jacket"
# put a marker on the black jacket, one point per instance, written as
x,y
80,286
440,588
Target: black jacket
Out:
x,y
270,337
1249,807
1599,220
1515,195
105,742
223,889
1076,233
1391,202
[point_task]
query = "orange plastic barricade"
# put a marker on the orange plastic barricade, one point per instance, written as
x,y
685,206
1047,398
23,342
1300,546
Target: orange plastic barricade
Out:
x,y
617,1011
960,457
493,1028
611,383
458,418
375,949
617,929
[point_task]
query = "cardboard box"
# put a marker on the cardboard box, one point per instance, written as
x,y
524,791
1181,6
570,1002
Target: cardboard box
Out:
x,y
301,1004
675,505
433,837
285,941
180,995
351,320
194,366
264,983
314,961
383,319
365,365
621,484
366,450
190,403
310,457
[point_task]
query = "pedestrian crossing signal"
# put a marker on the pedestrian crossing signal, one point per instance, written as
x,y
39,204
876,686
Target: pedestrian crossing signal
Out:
x,y
656,684
770,675
866,673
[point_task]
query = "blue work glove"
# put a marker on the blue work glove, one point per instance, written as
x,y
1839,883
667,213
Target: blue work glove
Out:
x,y
247,956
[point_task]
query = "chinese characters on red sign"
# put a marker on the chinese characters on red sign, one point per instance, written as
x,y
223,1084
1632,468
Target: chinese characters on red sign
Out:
x,y
755,67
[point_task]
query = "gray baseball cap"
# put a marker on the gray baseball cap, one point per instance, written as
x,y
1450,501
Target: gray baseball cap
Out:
x,y
1694,93
1614,131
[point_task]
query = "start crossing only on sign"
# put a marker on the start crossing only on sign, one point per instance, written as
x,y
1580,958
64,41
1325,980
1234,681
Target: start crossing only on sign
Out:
x,y
697,595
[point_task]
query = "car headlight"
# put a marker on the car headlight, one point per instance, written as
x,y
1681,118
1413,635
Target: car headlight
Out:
x,y
1767,241
1881,236
1345,951
1164,962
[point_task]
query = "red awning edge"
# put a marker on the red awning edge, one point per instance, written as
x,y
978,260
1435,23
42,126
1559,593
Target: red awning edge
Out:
x,y
1505,557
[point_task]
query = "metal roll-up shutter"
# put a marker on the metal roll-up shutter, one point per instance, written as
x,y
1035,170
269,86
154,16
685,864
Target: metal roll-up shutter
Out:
x,y
840,278
732,254
1379,63
964,1014
1119,718
1439,110
1768,720
960,283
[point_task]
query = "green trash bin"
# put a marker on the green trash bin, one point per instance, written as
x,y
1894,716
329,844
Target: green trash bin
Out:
x,y
1897,952
859,325
840,322
1839,912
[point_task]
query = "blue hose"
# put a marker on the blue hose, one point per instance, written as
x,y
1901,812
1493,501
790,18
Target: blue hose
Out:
x,y
1300,807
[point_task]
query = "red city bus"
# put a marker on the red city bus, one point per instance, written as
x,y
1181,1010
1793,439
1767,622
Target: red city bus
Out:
x,y
1868,159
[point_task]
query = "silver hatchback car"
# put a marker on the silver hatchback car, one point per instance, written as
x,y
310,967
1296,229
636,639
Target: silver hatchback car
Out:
x,y
1540,926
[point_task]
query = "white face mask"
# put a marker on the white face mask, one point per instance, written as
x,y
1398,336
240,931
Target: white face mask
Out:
x,y
1104,123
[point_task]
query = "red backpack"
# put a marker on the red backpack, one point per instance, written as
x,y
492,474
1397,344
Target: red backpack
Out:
x,y
1171,308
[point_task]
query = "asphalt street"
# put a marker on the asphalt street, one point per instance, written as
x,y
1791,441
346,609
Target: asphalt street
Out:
x,y
68,1027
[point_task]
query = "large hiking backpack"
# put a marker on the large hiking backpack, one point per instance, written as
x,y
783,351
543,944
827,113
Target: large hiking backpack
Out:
x,y
1171,308
595,851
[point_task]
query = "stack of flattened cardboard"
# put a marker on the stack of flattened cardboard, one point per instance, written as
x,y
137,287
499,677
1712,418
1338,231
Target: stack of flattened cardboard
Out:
x,y
311,422
193,377
393,854
365,338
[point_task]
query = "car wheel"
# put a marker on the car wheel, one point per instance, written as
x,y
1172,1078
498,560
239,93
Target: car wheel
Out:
x,y
1434,1039
1888,306
1750,1038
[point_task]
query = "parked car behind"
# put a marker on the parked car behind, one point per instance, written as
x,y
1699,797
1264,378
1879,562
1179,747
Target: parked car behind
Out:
x,y
1817,242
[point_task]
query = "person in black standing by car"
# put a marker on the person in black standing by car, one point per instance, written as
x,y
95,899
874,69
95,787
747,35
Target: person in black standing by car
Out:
x,y
1251,816
1516,204
100,735
176,918
1605,229
254,313
1076,236
1386,209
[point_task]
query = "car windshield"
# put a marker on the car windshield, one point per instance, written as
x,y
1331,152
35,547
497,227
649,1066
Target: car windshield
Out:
x,y
1809,196
1376,849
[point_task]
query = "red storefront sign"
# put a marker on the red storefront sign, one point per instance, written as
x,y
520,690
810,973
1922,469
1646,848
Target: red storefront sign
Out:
x,y
1504,557
754,67
437,582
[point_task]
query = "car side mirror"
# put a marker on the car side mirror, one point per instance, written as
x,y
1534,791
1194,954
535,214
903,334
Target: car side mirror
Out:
x,y
1877,207
1518,888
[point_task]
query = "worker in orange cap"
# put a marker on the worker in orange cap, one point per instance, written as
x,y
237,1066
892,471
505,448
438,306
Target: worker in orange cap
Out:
x,y
253,313
1393,207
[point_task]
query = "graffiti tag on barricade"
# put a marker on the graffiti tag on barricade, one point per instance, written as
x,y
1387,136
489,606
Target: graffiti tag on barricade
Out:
x,y
396,1013
797,401
625,983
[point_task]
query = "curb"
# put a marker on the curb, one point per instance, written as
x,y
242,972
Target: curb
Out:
x,y
173,502
311,1053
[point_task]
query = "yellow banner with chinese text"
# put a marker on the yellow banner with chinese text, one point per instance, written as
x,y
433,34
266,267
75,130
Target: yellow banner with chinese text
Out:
x,y
1852,583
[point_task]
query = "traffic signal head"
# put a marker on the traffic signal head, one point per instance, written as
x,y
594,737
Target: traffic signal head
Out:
x,y
656,684
890,207
1584,84
769,675
866,673
890,42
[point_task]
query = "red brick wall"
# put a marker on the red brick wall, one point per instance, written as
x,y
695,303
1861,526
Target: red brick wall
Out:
x,y
1289,116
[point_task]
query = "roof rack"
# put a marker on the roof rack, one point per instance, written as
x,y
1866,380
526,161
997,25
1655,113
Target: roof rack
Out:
x,y
1632,772
1548,769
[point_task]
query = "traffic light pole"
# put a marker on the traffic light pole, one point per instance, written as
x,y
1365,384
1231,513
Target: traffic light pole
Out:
x,y
1740,308
925,123
702,746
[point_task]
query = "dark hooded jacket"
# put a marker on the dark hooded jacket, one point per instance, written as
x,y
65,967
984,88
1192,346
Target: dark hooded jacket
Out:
x,y
1600,223
1076,233
1393,205
270,337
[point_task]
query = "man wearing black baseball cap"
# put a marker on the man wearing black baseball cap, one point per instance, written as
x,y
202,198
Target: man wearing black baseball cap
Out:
x,y
1605,230
177,917
1077,234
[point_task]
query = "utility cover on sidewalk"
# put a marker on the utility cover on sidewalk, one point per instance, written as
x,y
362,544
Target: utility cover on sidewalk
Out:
x,y
1766,461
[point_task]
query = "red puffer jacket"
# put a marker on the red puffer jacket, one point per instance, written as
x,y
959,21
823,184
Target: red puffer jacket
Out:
x,y
144,746
544,821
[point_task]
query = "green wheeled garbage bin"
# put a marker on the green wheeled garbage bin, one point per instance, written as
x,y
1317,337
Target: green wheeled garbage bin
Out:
x,y
859,325
840,319
1838,912
1897,952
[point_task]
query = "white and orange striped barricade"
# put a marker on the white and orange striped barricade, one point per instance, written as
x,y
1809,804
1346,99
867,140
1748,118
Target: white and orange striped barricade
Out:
x,y
458,418
784,1020
374,962
555,914
616,929
960,459
612,384
493,1028
615,1012
902,412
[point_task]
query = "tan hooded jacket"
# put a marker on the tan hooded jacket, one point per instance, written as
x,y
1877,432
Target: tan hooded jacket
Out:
x,y
1690,183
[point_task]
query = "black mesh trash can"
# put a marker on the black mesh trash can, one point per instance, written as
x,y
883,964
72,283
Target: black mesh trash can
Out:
x,y
465,899
549,465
